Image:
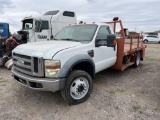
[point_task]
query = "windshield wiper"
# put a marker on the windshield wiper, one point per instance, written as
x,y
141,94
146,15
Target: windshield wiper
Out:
x,y
68,39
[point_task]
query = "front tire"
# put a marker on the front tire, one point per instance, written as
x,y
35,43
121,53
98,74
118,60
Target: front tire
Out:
x,y
78,87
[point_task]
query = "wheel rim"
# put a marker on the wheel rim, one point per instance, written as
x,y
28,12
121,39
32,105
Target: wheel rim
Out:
x,y
138,59
145,41
79,88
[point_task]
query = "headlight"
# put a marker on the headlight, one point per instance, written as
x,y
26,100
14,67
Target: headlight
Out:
x,y
52,68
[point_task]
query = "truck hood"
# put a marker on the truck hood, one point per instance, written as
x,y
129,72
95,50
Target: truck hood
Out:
x,y
47,48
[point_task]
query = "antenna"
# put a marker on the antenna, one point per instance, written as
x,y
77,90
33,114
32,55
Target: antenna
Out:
x,y
34,6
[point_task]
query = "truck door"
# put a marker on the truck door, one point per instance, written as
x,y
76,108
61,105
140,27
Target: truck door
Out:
x,y
41,30
104,56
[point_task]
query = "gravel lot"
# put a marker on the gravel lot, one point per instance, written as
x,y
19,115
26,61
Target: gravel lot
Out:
x,y
130,95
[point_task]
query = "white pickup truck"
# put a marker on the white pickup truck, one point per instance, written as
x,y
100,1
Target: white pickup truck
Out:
x,y
70,61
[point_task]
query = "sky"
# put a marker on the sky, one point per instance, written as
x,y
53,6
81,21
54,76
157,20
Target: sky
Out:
x,y
137,15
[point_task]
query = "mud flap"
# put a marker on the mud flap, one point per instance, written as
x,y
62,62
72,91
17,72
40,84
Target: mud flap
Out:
x,y
9,64
3,60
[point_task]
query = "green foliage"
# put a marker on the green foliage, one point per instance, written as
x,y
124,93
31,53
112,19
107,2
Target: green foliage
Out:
x,y
114,91
136,108
152,59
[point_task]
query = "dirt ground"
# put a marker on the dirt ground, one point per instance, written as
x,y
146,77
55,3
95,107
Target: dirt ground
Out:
x,y
130,95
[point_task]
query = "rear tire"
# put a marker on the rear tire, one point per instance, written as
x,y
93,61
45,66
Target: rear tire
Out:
x,y
145,41
137,59
78,87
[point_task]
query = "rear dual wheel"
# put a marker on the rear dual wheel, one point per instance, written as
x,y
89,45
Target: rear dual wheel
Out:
x,y
137,59
78,87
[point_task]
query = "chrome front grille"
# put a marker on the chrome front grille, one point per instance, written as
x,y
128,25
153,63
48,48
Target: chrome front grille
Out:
x,y
28,65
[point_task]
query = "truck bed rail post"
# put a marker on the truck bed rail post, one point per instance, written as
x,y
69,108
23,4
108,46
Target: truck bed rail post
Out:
x,y
138,42
114,26
122,29
142,42
131,43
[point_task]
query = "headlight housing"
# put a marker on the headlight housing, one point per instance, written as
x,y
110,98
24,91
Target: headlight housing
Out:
x,y
52,68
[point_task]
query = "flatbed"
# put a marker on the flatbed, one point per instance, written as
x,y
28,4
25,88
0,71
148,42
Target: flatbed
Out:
x,y
127,49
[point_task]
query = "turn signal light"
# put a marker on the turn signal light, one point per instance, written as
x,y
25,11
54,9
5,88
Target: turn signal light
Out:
x,y
53,67
115,42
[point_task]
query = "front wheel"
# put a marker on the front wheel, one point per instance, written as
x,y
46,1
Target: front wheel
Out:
x,y
78,87
137,59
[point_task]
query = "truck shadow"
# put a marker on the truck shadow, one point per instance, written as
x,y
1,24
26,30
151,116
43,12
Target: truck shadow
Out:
x,y
109,75
48,99
36,98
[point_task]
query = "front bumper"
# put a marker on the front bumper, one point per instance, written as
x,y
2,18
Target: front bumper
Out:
x,y
43,84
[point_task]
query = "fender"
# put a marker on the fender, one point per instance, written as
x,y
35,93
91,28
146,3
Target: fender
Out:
x,y
73,61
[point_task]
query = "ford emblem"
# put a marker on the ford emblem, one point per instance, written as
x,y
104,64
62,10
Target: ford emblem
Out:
x,y
20,62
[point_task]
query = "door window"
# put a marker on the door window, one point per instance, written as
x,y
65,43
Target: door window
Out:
x,y
41,25
103,32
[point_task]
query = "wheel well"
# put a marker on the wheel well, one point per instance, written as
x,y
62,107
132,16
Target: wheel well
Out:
x,y
85,66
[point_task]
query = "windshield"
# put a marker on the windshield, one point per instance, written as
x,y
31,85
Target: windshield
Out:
x,y
27,24
77,33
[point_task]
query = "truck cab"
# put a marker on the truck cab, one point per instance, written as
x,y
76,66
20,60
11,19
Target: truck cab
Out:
x,y
45,27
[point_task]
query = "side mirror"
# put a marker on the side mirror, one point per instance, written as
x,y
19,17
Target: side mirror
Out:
x,y
39,30
52,37
109,41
